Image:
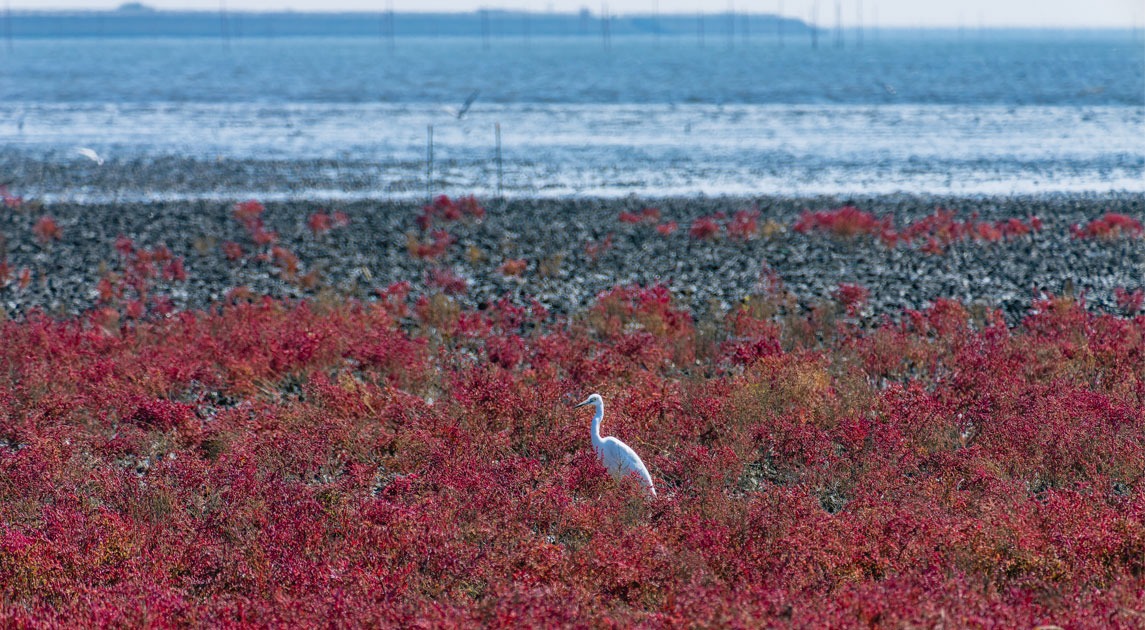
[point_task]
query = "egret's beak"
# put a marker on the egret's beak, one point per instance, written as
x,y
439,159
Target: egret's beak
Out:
x,y
580,405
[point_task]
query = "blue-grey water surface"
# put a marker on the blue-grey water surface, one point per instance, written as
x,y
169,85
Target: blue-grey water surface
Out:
x,y
974,113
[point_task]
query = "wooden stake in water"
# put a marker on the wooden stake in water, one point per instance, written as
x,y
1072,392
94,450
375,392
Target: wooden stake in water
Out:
x,y
779,23
429,165
8,25
223,27
390,22
500,164
814,25
656,19
605,26
731,25
838,24
484,29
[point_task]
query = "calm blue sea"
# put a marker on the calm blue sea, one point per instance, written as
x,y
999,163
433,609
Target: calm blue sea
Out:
x,y
963,113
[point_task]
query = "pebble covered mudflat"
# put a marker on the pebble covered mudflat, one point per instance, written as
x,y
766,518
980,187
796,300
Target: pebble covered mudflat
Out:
x,y
575,248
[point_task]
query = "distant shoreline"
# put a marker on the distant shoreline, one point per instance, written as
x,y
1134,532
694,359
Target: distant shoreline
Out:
x,y
731,28
482,24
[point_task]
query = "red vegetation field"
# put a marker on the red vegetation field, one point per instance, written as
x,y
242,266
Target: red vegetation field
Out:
x,y
332,463
935,231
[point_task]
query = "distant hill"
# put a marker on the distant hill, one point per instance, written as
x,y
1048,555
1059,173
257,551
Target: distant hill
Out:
x,y
138,20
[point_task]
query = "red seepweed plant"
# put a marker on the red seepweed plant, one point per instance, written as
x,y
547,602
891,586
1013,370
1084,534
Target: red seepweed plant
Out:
x,y
320,223
513,267
232,250
1130,302
47,230
287,263
249,214
936,231
744,225
1110,226
593,250
852,297
271,462
447,280
10,201
435,248
444,209
704,228
646,215
846,222
131,284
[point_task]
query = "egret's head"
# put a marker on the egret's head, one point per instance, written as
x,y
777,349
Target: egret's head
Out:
x,y
591,400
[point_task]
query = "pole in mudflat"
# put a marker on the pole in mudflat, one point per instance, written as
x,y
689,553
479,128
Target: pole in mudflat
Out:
x,y
484,29
838,24
390,23
656,19
605,26
8,25
731,25
429,165
779,24
500,163
224,28
814,30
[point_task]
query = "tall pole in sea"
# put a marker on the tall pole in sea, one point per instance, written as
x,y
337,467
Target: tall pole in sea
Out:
x,y
814,24
656,19
605,26
779,23
731,24
387,25
224,31
484,29
429,164
500,162
8,24
838,24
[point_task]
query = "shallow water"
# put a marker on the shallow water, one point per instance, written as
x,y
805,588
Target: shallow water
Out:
x,y
969,115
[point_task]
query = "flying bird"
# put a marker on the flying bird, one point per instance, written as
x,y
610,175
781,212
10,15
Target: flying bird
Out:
x,y
91,155
460,113
617,457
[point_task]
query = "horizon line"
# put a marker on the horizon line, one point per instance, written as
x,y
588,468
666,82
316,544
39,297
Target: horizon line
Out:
x,y
146,10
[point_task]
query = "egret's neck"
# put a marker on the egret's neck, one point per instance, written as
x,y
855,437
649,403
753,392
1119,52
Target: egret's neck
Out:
x,y
596,422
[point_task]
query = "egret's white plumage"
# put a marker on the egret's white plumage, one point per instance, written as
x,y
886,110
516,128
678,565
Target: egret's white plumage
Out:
x,y
617,457
91,155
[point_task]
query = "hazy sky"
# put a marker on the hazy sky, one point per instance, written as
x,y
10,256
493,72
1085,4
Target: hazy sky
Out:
x,y
970,13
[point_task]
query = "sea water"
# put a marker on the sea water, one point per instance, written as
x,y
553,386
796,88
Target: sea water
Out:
x,y
970,113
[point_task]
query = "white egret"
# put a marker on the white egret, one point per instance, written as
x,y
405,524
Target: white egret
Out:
x,y
91,155
617,457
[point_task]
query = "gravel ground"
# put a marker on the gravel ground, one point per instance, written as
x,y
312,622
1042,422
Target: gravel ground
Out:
x,y
371,253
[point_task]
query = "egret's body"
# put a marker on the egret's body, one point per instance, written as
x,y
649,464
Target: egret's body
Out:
x,y
617,457
91,155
